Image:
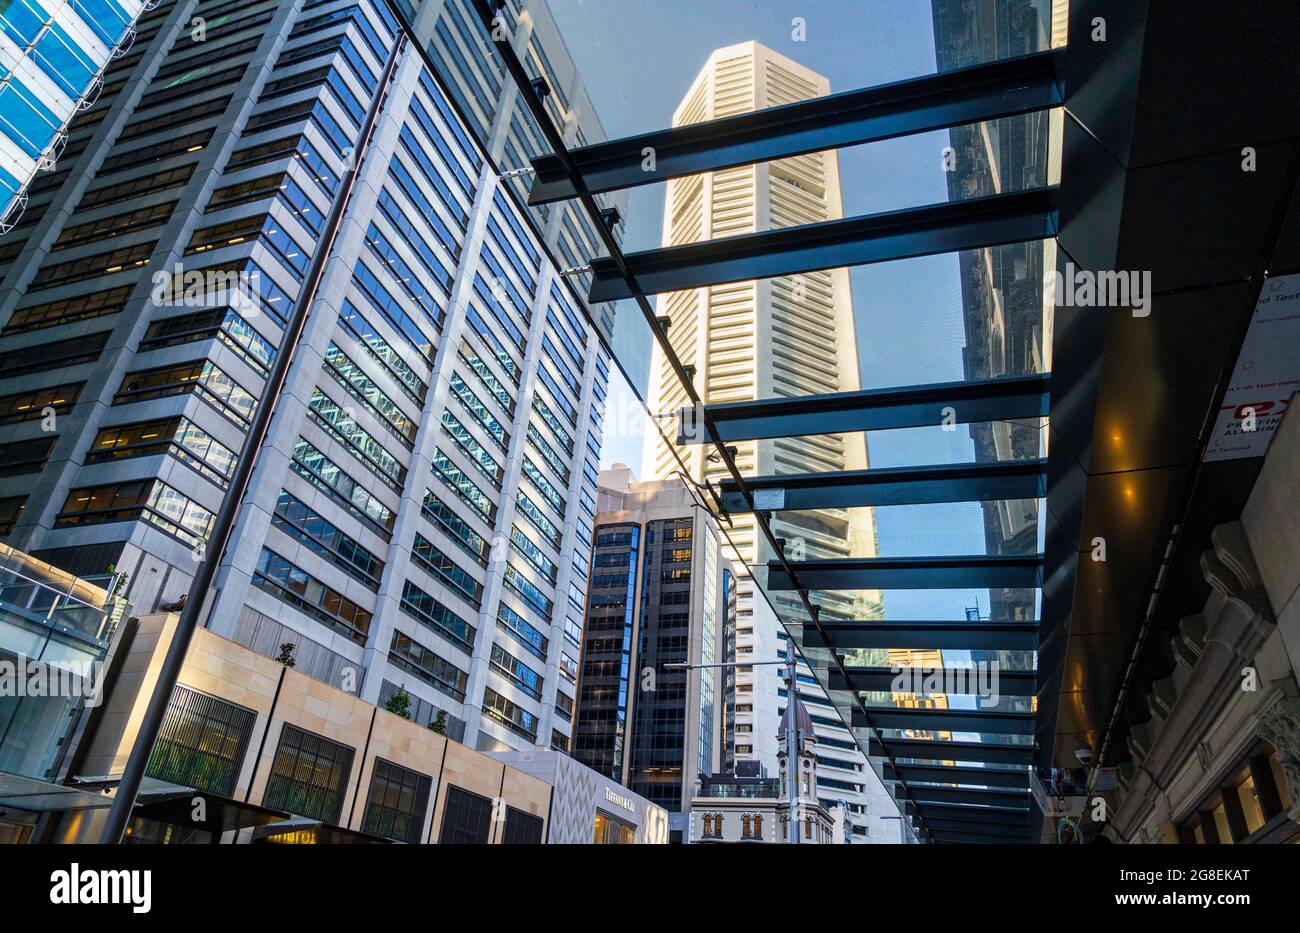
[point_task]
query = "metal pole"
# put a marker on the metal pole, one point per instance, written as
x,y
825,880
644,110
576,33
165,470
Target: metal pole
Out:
x,y
128,788
792,742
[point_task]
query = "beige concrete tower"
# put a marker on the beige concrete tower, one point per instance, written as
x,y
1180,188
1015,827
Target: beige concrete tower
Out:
x,y
787,336
782,337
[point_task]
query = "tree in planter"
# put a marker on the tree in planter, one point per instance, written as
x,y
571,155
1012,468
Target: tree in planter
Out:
x,y
399,704
286,654
439,723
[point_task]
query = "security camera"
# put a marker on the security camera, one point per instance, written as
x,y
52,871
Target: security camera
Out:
x,y
1084,753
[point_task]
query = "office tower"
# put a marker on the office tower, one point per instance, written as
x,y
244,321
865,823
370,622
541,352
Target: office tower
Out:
x,y
51,58
1007,330
661,593
788,336
490,101
420,515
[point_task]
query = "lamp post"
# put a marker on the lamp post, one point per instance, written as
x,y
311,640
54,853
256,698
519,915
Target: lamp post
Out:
x,y
791,731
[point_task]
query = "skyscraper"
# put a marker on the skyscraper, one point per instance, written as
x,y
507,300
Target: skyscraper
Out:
x,y
661,593
1007,331
420,516
51,58
787,336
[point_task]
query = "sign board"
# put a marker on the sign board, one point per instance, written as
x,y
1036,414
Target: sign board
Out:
x,y
769,500
1266,375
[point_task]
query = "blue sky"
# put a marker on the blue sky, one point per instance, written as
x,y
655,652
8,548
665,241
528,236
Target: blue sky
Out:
x,y
908,314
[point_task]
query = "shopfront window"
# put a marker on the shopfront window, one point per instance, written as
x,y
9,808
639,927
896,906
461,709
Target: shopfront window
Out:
x,y
611,831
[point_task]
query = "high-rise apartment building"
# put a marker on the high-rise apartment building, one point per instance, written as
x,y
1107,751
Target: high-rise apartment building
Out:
x,y
420,516
661,593
787,336
51,57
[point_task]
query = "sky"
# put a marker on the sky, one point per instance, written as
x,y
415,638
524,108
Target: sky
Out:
x,y
907,314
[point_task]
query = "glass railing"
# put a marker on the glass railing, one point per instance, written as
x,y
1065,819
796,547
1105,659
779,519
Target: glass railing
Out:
x,y
36,592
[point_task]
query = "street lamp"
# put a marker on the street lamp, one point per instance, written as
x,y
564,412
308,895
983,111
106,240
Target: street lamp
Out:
x,y
791,731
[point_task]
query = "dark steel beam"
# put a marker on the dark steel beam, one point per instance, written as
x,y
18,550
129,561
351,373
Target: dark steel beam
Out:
x,y
1004,399
972,636
932,102
948,227
993,722
956,774
950,837
907,573
988,831
960,482
1012,800
936,750
993,816
1010,683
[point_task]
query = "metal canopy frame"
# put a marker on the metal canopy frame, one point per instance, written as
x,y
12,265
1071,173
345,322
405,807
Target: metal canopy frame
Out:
x,y
882,679
969,636
999,89
1005,88
997,753
962,482
946,720
1007,399
919,775
907,573
947,227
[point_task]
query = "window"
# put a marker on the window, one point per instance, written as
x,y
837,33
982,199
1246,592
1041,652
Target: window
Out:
x,y
56,354
459,530
118,225
223,324
309,775
68,310
293,585
609,831
514,624
10,508
446,571
1248,807
26,456
466,818
318,534
153,501
514,717
31,405
137,188
180,437
201,377
408,654
522,829
201,743
324,474
516,672
426,610
396,803
369,452
364,389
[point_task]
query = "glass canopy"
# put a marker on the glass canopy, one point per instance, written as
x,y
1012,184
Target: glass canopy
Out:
x,y
835,319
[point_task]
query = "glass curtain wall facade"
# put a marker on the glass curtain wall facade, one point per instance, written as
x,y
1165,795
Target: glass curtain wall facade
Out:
x,y
661,594
52,55
421,514
464,56
1001,286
